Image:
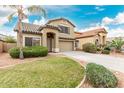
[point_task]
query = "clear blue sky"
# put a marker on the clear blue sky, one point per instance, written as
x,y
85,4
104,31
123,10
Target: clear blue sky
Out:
x,y
83,16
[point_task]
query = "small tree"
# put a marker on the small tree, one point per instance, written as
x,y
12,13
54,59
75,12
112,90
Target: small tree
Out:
x,y
10,39
117,43
21,15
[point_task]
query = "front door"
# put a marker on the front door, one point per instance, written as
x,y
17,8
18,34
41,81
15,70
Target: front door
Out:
x,y
49,44
50,41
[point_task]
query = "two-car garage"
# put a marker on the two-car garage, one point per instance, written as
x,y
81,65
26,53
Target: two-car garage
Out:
x,y
66,46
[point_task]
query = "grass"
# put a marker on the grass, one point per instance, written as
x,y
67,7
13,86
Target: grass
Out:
x,y
48,73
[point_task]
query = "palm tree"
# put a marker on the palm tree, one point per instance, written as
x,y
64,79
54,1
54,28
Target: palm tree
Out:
x,y
21,15
117,44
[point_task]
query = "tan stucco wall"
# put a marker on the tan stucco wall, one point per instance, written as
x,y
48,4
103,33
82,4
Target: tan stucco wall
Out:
x,y
1,46
64,23
92,40
101,38
8,46
85,40
31,35
55,48
4,47
43,38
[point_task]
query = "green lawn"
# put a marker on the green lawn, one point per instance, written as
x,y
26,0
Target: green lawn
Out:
x,y
48,73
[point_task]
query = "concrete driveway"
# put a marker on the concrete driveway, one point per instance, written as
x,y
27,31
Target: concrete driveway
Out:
x,y
115,63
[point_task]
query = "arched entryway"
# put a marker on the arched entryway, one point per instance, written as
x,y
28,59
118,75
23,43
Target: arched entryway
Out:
x,y
51,42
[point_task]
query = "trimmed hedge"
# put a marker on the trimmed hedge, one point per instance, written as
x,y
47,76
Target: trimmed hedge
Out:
x,y
89,47
34,51
99,76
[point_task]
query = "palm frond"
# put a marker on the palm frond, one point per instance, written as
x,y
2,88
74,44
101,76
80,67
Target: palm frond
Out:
x,y
10,16
12,6
37,10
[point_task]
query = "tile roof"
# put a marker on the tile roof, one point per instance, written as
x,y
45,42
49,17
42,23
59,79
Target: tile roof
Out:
x,y
89,33
27,27
49,26
60,19
32,28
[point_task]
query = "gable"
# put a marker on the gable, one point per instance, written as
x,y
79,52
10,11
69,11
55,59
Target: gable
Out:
x,y
61,21
91,33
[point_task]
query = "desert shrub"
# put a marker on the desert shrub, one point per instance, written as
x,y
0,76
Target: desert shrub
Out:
x,y
34,51
89,47
117,43
107,47
105,51
9,39
99,76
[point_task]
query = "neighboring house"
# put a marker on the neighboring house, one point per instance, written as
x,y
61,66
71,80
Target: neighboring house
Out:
x,y
96,36
57,35
4,46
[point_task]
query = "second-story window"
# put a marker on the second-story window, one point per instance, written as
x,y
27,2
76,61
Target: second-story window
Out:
x,y
64,29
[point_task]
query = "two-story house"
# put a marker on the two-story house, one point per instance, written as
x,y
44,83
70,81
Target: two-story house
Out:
x,y
57,35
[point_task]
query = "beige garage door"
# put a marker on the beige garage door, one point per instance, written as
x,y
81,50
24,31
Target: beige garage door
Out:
x,y
66,46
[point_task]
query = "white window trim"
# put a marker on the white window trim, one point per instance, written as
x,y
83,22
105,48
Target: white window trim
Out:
x,y
30,36
65,26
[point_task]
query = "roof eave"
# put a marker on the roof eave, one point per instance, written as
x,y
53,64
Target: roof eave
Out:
x,y
61,19
84,36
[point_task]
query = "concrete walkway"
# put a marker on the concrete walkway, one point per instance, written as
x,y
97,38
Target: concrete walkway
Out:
x,y
114,63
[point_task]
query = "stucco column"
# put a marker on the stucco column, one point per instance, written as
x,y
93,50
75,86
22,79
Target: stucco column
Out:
x,y
104,40
74,45
101,40
56,43
44,38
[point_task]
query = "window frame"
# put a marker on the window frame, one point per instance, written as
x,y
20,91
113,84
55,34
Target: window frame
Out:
x,y
32,42
68,31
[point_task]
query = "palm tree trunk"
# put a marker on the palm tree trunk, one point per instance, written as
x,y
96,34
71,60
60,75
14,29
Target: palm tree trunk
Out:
x,y
20,34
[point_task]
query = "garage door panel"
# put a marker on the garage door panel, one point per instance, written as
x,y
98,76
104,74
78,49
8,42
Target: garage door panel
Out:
x,y
66,46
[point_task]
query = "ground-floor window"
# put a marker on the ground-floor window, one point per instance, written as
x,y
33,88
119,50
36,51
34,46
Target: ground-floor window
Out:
x,y
32,41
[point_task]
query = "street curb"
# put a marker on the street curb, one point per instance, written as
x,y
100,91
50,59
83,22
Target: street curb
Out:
x,y
84,78
78,61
